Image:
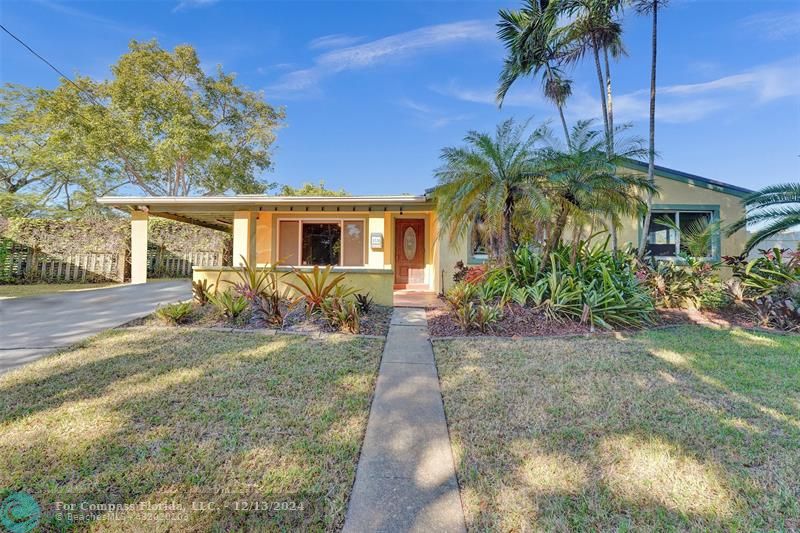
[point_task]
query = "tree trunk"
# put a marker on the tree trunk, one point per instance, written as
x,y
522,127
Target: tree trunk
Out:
x,y
652,151
560,110
600,80
610,102
558,229
508,213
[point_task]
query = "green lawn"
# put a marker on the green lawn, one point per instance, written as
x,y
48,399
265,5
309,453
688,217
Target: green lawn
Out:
x,y
38,289
676,429
139,415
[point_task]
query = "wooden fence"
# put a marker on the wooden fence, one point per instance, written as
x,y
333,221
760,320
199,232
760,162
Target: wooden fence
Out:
x,y
21,263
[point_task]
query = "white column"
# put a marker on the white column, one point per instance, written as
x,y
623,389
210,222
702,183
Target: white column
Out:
x,y
244,237
139,247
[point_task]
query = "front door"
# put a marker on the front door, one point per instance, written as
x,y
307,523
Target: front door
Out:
x,y
409,253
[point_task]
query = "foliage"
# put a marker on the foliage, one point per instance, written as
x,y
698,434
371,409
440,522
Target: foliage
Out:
x,y
762,275
776,207
313,287
174,313
583,183
342,313
460,271
364,302
475,274
229,304
160,123
486,315
582,282
200,291
260,286
110,235
693,284
490,178
780,309
310,189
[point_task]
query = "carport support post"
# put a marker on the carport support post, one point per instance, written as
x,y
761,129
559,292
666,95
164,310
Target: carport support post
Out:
x,y
139,247
244,237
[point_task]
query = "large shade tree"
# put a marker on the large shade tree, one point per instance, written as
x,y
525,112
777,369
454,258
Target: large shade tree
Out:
x,y
771,210
491,177
159,124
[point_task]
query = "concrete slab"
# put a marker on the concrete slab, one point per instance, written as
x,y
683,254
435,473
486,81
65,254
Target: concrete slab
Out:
x,y
33,327
409,316
405,479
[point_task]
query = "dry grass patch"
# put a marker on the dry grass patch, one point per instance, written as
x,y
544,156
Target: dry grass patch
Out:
x,y
690,428
142,415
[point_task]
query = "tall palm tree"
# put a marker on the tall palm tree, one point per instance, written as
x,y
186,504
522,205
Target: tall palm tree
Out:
x,y
775,206
531,49
583,182
592,28
491,177
650,7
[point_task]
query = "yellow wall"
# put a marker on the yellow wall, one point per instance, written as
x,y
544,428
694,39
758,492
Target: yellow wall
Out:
x,y
377,283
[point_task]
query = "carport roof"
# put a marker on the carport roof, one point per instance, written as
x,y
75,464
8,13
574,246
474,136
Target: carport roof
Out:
x,y
217,211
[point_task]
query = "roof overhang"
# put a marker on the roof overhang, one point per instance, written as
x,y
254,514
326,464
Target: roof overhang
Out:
x,y
216,212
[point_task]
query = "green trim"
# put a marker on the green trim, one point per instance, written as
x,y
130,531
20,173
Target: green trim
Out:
x,y
691,179
477,260
716,246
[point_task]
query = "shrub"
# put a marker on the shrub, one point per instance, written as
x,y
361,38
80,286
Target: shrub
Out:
x,y
475,274
341,313
261,288
581,282
763,275
780,309
314,287
486,315
364,302
229,304
460,271
174,313
201,290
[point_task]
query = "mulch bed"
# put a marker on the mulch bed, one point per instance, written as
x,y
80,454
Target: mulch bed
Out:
x,y
516,321
376,322
526,322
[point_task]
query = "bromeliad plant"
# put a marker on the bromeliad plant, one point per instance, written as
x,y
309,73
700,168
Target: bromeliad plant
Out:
x,y
313,287
260,286
229,304
174,313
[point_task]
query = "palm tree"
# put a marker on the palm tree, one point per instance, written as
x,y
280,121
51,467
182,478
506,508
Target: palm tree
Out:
x,y
583,182
593,27
532,49
647,7
776,206
491,177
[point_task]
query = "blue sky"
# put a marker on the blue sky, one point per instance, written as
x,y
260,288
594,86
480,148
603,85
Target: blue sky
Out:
x,y
374,90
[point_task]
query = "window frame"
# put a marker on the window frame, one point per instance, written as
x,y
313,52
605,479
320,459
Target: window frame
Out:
x,y
711,210
337,221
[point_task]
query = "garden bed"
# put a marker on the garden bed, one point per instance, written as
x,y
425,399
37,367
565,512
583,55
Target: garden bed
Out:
x,y
521,321
375,322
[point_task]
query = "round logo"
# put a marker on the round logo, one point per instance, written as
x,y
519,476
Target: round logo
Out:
x,y
19,512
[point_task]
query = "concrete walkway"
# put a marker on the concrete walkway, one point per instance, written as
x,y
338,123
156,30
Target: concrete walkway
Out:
x,y
406,477
33,327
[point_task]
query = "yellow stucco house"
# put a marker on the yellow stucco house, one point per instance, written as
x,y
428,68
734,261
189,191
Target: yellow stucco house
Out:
x,y
387,244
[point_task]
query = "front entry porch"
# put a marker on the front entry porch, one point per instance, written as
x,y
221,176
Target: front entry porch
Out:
x,y
416,298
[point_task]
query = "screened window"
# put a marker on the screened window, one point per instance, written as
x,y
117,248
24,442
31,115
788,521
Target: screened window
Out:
x,y
321,242
664,241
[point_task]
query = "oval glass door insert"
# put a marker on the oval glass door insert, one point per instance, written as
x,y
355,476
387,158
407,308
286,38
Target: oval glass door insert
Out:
x,y
410,243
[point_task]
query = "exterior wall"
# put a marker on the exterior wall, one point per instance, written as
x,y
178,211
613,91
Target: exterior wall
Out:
x,y
674,193
377,282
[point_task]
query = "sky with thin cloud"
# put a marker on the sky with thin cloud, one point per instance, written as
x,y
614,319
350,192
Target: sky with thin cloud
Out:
x,y
374,90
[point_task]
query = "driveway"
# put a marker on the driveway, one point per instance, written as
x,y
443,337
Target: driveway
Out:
x,y
33,327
